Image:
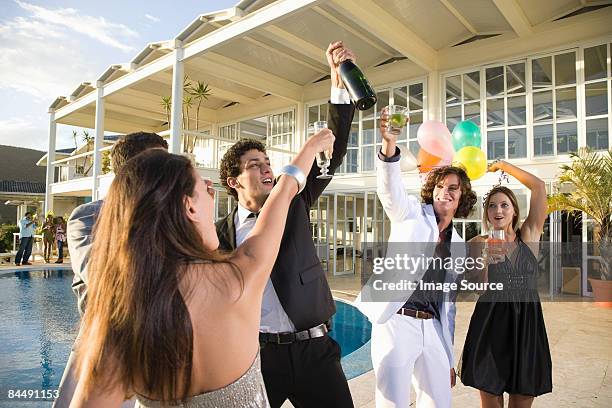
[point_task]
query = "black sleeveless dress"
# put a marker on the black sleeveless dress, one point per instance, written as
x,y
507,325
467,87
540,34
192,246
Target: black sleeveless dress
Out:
x,y
506,348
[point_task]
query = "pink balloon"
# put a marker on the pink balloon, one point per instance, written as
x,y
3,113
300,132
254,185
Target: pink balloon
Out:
x,y
434,137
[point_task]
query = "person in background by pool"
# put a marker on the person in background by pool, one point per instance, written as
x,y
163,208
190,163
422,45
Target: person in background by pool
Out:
x,y
506,347
299,360
48,230
60,238
79,234
169,318
412,337
27,227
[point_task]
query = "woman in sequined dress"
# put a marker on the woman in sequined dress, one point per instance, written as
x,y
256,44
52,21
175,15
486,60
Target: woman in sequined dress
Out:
x,y
506,348
169,318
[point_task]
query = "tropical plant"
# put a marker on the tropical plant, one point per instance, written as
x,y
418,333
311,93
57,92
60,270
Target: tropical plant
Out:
x,y
589,177
166,103
87,140
200,92
193,94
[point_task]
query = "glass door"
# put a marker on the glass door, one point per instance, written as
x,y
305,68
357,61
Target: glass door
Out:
x,y
343,245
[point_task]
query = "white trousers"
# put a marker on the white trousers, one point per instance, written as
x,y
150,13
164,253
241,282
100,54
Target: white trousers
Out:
x,y
405,349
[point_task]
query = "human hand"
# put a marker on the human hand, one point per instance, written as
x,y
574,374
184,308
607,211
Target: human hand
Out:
x,y
336,54
495,166
323,141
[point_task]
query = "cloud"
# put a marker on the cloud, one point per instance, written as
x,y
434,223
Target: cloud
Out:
x,y
152,18
33,134
40,60
97,28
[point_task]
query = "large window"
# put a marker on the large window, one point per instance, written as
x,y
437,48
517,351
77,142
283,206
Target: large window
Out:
x,y
462,99
537,107
597,91
555,110
280,128
506,111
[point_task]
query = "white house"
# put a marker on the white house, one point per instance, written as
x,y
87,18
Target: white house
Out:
x,y
535,75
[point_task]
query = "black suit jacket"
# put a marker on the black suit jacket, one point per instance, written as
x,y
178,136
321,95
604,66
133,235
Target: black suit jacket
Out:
x,y
297,275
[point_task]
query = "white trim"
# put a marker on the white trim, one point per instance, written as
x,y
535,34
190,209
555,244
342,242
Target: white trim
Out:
x,y
98,142
256,19
376,20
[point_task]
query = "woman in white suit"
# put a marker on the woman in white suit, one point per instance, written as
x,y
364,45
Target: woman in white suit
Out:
x,y
412,336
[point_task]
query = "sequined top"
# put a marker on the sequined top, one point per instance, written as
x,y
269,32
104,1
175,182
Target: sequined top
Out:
x,y
248,391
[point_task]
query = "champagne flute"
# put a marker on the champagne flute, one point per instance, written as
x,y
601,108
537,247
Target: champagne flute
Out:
x,y
495,240
324,157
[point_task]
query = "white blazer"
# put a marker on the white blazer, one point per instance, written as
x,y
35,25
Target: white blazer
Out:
x,y
411,221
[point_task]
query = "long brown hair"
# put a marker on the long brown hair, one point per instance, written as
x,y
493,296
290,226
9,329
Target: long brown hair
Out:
x,y
513,200
136,331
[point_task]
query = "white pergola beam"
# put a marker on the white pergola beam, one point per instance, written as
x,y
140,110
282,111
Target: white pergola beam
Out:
x,y
110,124
295,43
250,22
302,62
383,25
515,16
246,75
350,29
218,92
458,16
112,107
206,114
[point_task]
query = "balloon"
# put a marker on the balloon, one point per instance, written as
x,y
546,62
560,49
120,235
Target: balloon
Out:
x,y
427,161
407,161
466,133
434,137
473,160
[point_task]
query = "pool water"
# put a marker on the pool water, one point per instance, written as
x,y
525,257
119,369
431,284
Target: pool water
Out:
x,y
39,326
350,328
37,330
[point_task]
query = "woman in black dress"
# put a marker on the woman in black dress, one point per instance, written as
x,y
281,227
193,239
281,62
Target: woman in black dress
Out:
x,y
506,348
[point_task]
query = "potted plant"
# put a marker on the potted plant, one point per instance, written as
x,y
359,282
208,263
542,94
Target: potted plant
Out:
x,y
589,177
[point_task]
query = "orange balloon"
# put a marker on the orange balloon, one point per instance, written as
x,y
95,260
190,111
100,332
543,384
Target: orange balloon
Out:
x,y
427,161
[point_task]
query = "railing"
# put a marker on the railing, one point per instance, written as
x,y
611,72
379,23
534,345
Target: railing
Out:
x,y
77,166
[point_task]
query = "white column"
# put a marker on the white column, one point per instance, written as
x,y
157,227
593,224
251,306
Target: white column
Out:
x,y
176,118
434,106
50,160
98,141
299,130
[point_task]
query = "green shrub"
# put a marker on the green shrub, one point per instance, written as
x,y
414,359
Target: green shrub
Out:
x,y
6,237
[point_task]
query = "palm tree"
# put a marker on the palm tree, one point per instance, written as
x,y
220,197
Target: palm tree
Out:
x,y
200,92
187,104
590,176
166,103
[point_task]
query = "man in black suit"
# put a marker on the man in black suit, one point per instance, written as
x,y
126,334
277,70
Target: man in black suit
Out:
x,y
299,360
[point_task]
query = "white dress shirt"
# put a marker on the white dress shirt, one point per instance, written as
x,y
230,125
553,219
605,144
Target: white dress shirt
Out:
x,y
274,319
273,316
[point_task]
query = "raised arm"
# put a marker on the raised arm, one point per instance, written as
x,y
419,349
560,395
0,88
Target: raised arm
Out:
x,y
257,254
339,117
398,204
538,209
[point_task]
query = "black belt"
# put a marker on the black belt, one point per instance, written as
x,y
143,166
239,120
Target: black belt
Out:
x,y
417,314
289,337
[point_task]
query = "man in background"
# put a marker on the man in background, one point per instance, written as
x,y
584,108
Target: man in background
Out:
x,y
27,226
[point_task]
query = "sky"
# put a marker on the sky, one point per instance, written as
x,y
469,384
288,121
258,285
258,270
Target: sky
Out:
x,y
49,47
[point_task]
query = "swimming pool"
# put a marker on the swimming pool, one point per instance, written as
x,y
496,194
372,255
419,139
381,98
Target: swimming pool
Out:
x,y
39,325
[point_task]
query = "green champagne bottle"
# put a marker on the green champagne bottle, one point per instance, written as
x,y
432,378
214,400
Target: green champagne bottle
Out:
x,y
357,85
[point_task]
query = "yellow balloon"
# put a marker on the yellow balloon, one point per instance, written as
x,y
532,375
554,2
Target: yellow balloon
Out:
x,y
474,161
